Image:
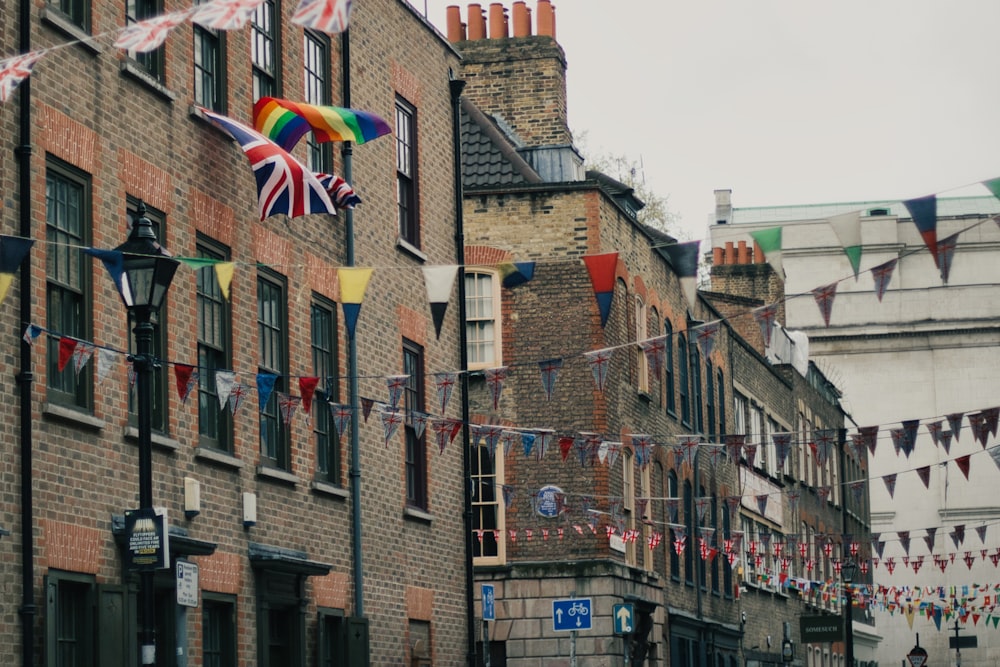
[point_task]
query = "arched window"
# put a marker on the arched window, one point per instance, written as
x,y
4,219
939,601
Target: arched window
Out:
x,y
710,399
682,360
696,402
668,380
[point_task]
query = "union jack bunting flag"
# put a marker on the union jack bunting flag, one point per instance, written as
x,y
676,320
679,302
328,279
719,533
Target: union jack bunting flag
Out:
x,y
283,185
225,14
329,16
15,70
149,34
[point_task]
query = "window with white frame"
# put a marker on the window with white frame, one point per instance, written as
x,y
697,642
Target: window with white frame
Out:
x,y
482,319
488,545
628,503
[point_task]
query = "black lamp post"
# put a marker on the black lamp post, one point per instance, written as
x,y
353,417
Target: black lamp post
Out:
x,y
847,576
147,271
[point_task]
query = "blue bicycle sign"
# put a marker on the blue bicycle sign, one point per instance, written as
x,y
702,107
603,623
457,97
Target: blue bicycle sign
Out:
x,y
571,614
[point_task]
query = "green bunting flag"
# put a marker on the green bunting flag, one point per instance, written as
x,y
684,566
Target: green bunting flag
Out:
x,y
769,241
848,229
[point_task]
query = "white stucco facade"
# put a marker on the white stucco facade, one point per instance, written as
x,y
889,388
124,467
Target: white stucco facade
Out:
x,y
928,349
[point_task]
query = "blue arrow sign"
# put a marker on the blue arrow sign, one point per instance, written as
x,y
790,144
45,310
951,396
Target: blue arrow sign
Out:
x,y
571,614
489,606
623,615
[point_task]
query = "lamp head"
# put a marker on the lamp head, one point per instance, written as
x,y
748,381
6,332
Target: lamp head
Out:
x,y
847,571
147,268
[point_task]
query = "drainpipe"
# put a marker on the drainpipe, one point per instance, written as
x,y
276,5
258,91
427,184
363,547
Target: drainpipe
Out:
x,y
352,355
24,377
457,86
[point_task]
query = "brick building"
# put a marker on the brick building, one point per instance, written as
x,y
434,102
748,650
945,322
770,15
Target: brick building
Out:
x,y
598,515
920,351
95,135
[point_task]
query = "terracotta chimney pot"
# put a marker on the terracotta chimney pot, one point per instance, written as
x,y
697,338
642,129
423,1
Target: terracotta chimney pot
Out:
x,y
742,253
477,22
522,19
718,256
456,32
730,253
498,21
546,18
758,254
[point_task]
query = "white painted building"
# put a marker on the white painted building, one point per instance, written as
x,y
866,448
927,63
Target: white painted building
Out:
x,y
927,350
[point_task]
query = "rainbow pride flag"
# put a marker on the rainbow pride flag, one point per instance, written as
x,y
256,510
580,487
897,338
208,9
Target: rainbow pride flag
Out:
x,y
284,122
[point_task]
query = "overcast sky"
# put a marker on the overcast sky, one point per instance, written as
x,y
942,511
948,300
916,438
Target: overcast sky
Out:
x,y
784,101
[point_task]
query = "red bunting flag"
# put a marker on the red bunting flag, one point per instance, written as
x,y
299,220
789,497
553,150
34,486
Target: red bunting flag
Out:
x,y
186,377
66,348
307,386
602,277
963,464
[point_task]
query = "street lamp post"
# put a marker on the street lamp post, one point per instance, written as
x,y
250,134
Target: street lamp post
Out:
x,y
146,273
847,576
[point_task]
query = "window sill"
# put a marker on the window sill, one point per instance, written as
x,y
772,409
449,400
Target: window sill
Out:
x,y
135,71
159,440
196,114
218,456
59,21
72,415
277,475
410,249
644,395
328,489
417,515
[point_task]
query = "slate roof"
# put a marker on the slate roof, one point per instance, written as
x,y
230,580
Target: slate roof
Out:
x,y
489,155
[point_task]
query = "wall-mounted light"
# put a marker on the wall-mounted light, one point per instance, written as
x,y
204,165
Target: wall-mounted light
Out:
x,y
249,509
192,497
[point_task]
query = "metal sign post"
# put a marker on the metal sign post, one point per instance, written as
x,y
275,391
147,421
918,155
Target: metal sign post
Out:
x,y
489,614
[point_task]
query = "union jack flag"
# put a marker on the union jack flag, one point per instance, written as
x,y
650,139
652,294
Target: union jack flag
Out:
x,y
15,70
329,16
283,184
225,14
149,34
341,194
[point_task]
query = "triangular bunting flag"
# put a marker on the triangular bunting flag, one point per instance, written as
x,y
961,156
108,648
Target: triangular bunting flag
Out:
x,y
824,299
307,387
883,275
963,464
946,252
769,241
890,483
224,383
847,227
445,383
598,360
391,419
66,348
187,378
924,473
440,281
923,210
684,259
495,378
549,370
602,277
265,385
705,336
765,317
513,274
353,283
